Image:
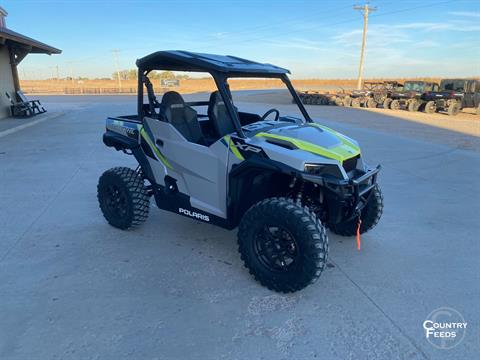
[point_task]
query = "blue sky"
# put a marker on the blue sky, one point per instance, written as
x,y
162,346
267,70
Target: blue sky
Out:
x,y
318,39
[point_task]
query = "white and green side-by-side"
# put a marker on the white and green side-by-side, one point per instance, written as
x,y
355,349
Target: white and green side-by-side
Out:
x,y
282,180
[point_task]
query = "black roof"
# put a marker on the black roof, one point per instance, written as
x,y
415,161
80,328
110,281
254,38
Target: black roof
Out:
x,y
177,60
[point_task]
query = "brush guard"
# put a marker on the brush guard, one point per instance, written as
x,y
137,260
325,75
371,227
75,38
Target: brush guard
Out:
x,y
346,198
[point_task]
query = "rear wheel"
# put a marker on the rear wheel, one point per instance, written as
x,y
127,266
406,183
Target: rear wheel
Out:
x,y
370,216
386,103
453,109
395,105
371,103
283,244
123,199
430,107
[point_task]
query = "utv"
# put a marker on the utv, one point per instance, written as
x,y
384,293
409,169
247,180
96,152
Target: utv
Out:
x,y
383,92
282,181
360,97
373,93
409,97
454,95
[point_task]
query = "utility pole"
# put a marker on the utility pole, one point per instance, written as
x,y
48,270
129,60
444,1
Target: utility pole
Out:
x,y
58,72
365,9
115,55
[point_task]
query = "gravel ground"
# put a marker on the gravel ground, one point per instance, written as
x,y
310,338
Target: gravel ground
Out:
x,y
72,287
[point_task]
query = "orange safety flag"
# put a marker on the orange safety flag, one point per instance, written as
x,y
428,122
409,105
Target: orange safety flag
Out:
x,y
358,233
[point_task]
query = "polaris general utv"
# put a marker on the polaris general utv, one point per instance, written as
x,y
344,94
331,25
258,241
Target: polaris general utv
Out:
x,y
282,180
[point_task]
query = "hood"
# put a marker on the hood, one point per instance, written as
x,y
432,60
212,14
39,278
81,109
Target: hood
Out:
x,y
313,138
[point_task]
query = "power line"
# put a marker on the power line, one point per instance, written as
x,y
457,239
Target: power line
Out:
x,y
331,15
115,55
365,9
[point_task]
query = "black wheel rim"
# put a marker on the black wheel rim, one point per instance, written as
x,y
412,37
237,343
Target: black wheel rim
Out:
x,y
276,248
116,201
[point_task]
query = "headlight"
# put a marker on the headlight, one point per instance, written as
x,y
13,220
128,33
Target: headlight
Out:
x,y
313,168
323,169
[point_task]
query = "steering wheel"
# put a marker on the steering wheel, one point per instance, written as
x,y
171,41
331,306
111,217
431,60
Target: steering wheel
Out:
x,y
277,114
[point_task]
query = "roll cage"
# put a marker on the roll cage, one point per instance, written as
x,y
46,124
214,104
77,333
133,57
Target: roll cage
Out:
x,y
221,68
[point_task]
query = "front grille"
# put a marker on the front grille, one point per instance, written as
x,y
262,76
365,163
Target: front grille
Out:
x,y
350,164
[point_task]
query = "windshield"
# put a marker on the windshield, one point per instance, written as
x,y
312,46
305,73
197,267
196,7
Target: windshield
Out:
x,y
455,85
256,96
414,86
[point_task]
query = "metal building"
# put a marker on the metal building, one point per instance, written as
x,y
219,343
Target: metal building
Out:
x,y
13,49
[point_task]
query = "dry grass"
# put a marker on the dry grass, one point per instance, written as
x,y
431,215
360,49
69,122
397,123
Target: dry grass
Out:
x,y
186,86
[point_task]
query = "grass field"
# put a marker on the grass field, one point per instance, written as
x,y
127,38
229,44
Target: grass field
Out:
x,y
64,86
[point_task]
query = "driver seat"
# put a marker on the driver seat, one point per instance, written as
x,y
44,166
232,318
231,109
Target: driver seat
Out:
x,y
219,116
174,110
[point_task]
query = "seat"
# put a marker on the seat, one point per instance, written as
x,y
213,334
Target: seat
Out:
x,y
174,110
219,116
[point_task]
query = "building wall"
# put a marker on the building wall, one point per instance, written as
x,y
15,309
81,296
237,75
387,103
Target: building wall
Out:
x,y
6,81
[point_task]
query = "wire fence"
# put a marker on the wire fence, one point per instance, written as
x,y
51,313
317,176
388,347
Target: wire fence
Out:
x,y
78,90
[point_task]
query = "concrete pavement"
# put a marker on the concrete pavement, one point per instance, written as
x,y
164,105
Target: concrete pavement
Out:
x,y
72,287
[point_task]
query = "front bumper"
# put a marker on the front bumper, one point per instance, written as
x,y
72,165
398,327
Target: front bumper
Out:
x,y
346,198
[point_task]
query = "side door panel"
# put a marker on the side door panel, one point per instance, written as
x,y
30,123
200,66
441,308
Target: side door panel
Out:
x,y
200,171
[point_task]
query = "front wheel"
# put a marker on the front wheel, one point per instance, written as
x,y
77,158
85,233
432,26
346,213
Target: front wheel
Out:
x,y
453,109
123,199
395,105
283,245
430,107
413,106
370,216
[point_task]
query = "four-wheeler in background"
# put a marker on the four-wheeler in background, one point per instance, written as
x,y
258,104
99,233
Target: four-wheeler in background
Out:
x,y
453,95
383,92
409,98
374,93
283,180
360,97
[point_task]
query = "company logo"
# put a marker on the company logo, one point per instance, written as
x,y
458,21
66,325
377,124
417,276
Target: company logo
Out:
x,y
126,131
194,214
445,328
246,147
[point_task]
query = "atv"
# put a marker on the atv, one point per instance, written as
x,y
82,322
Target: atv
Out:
x,y
373,93
382,92
282,180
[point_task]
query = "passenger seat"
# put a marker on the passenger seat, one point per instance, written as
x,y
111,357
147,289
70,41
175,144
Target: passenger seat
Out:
x,y
184,118
219,116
